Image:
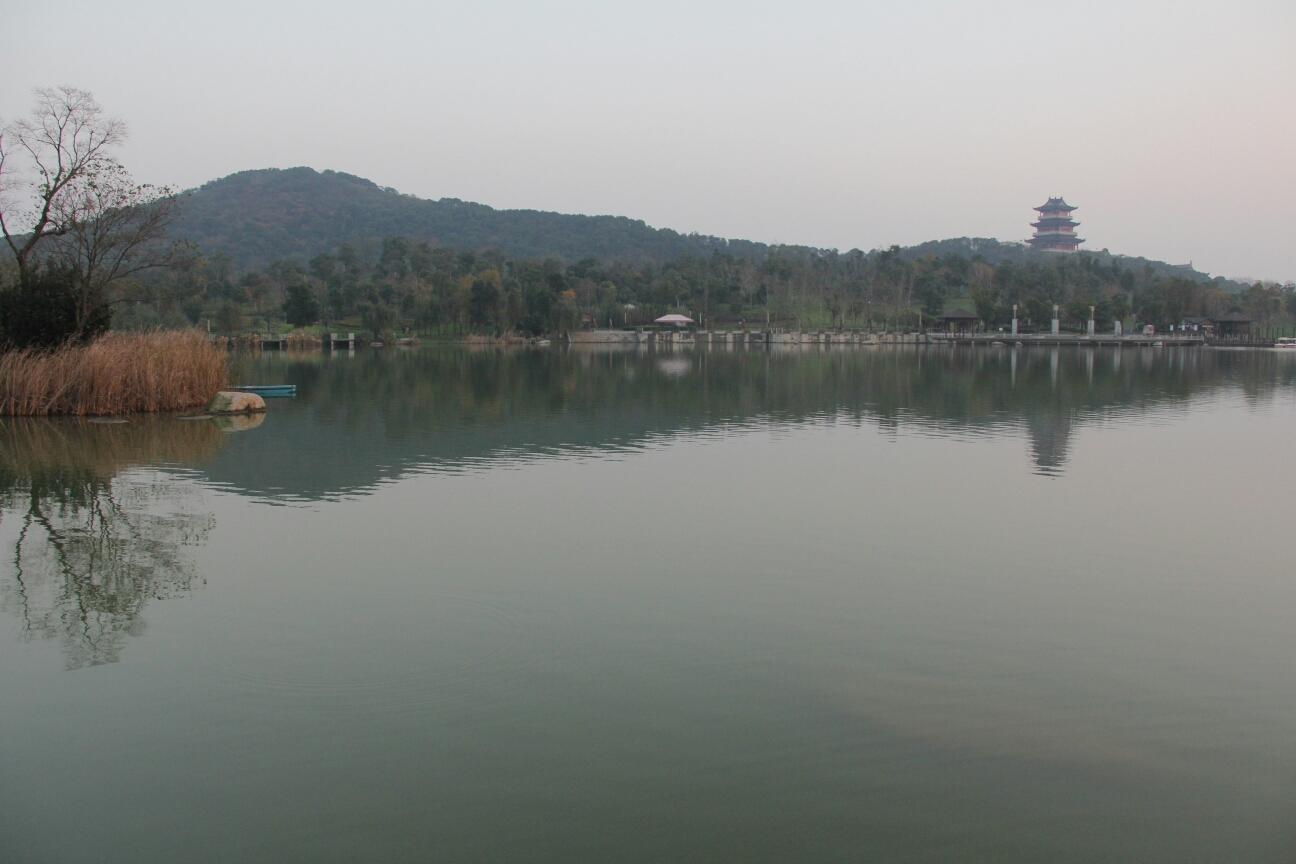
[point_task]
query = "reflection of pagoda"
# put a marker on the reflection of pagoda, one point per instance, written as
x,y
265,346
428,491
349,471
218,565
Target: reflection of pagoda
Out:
x,y
1055,232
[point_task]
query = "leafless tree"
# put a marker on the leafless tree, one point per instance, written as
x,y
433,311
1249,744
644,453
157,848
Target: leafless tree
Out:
x,y
66,200
43,158
113,229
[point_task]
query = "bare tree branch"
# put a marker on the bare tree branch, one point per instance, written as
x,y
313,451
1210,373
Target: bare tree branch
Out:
x,y
67,137
112,229
66,202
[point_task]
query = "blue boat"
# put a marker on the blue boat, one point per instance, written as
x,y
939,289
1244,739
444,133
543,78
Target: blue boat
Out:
x,y
271,390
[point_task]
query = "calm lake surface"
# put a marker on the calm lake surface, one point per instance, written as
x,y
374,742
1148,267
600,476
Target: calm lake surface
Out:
x,y
1009,605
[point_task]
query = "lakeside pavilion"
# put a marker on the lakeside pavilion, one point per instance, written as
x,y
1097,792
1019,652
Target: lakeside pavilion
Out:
x,y
959,321
1055,230
1233,324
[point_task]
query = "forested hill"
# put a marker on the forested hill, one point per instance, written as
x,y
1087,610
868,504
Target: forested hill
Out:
x,y
995,251
268,214
258,216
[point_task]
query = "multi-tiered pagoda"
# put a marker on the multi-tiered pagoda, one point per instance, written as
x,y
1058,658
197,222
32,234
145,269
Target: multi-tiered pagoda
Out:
x,y
1055,231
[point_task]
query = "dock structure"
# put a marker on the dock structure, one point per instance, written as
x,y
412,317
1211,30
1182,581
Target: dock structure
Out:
x,y
274,341
335,340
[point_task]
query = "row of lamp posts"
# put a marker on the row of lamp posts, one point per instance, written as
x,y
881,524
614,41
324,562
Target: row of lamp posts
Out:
x,y
1055,321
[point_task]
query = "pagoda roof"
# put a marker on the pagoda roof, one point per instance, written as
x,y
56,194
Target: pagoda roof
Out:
x,y
1232,318
1056,238
1053,223
957,315
1055,204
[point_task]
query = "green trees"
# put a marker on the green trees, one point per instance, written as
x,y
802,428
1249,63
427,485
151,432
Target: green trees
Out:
x,y
1073,283
301,307
538,299
229,317
1263,302
1120,307
399,282
377,318
1167,301
41,311
486,303
427,308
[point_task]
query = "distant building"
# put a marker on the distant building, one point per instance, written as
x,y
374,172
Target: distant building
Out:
x,y
1055,231
1234,325
959,321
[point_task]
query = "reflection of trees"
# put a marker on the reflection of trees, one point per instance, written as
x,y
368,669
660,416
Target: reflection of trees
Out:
x,y
94,545
450,407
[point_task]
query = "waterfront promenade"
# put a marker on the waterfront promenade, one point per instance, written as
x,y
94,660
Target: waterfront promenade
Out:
x,y
1097,339
857,337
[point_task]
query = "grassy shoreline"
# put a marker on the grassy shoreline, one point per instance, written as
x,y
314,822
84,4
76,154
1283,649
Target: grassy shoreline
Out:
x,y
118,373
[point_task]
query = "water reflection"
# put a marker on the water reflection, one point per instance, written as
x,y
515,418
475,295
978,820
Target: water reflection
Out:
x,y
95,536
378,415
93,540
792,641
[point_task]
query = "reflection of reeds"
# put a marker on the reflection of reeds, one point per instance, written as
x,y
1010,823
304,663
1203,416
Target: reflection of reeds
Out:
x,y
31,447
115,374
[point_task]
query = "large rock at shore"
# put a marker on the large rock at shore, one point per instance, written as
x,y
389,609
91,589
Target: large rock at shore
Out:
x,y
235,402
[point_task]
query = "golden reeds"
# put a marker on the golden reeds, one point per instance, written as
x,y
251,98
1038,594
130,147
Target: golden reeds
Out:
x,y
509,338
246,341
115,374
299,339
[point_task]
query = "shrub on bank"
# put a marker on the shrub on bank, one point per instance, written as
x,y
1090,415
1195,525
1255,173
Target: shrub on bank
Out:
x,y
117,373
40,312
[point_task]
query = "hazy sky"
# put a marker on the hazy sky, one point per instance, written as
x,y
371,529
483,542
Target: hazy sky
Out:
x,y
1170,125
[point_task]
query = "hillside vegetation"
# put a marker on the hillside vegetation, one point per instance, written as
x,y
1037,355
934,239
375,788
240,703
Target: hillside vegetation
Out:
x,y
995,252
302,248
256,217
259,216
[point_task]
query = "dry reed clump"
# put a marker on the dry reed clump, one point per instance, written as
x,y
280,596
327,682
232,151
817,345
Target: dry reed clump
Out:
x,y
509,338
301,339
246,341
115,374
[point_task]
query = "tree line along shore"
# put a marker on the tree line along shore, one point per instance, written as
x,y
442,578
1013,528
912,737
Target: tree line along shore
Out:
x,y
399,285
102,311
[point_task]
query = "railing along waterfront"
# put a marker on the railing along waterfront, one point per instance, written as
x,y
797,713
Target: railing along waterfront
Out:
x,y
1184,339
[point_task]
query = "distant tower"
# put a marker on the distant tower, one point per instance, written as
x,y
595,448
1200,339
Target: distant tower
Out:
x,y
1055,232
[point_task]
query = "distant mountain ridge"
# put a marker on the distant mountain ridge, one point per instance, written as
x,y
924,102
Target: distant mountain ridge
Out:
x,y
260,215
257,216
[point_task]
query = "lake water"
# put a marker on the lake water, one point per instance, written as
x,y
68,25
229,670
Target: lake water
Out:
x,y
859,604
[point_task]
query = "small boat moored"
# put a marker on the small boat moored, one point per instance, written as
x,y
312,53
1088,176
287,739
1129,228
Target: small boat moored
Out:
x,y
268,390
